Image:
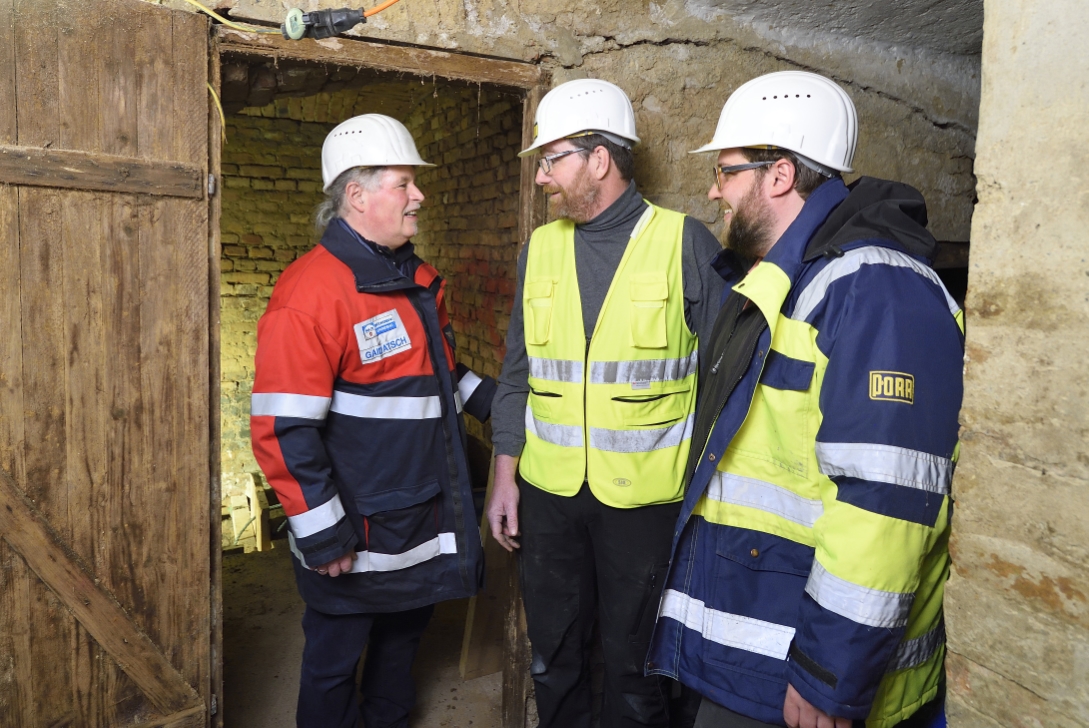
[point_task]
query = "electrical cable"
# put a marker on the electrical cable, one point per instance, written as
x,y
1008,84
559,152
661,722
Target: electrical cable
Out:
x,y
380,8
236,538
222,117
231,23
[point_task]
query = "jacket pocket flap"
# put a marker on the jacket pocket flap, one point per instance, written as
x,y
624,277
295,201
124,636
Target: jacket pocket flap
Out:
x,y
539,288
649,287
396,498
783,372
765,552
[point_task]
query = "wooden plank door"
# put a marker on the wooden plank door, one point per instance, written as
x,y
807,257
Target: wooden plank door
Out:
x,y
105,408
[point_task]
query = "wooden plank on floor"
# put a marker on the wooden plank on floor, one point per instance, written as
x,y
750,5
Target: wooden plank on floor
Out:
x,y
347,51
482,644
74,170
26,531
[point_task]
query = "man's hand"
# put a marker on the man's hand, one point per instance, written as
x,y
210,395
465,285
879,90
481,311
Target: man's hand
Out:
x,y
502,507
336,567
800,713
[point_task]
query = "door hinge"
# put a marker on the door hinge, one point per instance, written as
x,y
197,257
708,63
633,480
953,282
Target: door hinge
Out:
x,y
211,185
214,707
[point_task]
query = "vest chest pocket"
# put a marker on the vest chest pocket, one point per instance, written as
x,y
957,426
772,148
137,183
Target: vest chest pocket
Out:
x,y
648,293
537,310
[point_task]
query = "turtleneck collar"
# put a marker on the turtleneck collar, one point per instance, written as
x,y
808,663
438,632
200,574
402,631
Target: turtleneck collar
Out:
x,y
626,209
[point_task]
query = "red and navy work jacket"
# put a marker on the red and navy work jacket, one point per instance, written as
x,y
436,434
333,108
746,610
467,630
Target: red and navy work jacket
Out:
x,y
356,422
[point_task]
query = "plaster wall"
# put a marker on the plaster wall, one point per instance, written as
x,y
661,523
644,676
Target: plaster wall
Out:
x,y
1018,601
911,67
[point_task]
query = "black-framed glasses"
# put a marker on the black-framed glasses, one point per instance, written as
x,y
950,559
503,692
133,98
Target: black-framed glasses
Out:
x,y
722,171
545,162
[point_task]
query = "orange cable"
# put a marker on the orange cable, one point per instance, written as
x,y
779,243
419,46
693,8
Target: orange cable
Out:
x,y
380,8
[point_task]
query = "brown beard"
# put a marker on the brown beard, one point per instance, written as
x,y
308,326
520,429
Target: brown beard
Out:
x,y
749,234
577,203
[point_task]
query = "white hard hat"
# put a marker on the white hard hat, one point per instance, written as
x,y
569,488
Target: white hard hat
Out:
x,y
584,105
794,110
370,140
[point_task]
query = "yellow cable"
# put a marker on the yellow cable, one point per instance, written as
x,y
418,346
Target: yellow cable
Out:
x,y
232,24
380,8
222,118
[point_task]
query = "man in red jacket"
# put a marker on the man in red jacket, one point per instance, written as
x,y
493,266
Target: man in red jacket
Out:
x,y
356,421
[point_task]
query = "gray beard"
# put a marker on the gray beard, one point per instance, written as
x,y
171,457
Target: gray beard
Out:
x,y
578,203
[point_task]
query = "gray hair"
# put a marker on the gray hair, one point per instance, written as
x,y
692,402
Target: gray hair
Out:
x,y
333,204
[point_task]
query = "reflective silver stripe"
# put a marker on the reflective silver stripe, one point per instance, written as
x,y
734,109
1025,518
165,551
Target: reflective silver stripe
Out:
x,y
860,604
562,435
753,493
555,370
467,385
457,402
731,630
849,263
387,408
444,543
914,652
327,515
886,464
644,370
283,404
641,440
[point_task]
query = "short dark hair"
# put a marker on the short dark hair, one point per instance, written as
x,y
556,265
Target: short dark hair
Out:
x,y
622,156
806,179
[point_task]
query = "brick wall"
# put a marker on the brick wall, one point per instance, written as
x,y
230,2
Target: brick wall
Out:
x,y
469,223
272,182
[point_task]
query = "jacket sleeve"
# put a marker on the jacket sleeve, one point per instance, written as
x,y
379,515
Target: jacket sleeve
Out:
x,y
296,366
889,399
512,392
476,392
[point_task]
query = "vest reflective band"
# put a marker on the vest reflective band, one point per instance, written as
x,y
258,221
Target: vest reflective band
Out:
x,y
619,412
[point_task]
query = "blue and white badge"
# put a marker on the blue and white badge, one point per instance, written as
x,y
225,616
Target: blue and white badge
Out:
x,y
381,336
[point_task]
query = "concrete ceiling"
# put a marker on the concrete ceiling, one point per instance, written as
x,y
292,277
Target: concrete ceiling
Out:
x,y
945,26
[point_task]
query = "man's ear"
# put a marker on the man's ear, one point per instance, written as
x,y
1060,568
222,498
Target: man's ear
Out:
x,y
355,195
600,161
782,177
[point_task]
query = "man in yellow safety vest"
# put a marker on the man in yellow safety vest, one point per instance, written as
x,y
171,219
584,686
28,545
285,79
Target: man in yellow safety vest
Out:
x,y
594,413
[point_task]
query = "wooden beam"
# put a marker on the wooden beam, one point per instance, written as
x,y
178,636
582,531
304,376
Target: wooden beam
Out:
x,y
26,531
39,167
424,62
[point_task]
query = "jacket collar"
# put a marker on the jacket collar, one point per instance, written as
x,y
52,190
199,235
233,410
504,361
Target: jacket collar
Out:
x,y
373,270
789,251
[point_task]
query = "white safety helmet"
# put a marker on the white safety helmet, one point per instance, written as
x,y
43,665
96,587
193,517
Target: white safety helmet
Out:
x,y
583,105
794,110
370,140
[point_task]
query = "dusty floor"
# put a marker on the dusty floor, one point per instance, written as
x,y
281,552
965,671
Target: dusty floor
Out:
x,y
262,646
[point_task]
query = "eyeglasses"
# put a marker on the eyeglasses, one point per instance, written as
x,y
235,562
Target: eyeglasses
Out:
x,y
545,163
724,171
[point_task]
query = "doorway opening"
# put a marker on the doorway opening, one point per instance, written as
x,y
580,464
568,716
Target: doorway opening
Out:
x,y
279,104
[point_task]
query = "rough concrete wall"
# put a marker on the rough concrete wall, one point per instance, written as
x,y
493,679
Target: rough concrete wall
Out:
x,y
680,59
1018,600
469,223
271,183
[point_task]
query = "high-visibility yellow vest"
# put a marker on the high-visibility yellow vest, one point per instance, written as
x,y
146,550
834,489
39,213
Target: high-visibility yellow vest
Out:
x,y
617,411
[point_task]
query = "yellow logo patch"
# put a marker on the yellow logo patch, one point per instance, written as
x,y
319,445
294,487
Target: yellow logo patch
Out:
x,y
892,387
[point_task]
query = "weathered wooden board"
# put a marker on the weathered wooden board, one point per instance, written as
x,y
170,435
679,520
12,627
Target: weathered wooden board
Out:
x,y
485,622
106,172
531,201
25,530
105,406
382,57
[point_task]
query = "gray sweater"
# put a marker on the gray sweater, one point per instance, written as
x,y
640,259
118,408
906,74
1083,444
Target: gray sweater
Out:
x,y
599,246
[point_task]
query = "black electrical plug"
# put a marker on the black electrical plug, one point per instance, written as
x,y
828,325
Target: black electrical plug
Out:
x,y
320,24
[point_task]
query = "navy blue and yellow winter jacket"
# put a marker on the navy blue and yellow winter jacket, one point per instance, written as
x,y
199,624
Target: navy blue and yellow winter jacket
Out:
x,y
812,544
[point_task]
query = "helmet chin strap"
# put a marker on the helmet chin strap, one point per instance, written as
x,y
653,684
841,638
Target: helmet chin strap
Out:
x,y
816,166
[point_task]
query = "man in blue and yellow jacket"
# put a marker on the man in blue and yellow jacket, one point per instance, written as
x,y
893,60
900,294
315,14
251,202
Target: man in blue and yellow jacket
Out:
x,y
809,560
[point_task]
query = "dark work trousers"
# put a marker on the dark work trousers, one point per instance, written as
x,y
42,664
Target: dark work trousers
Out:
x,y
581,559
713,715
334,643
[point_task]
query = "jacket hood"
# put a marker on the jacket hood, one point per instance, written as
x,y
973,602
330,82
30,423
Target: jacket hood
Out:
x,y
876,208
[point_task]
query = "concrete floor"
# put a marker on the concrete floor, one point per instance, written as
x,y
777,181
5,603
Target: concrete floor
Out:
x,y
263,643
